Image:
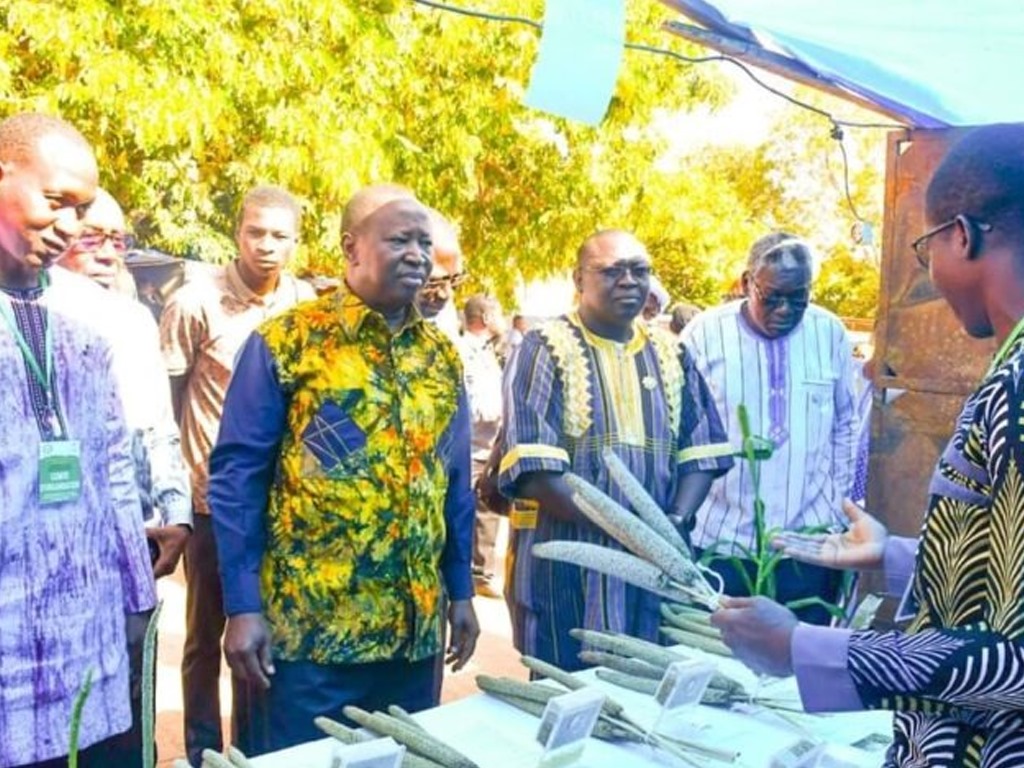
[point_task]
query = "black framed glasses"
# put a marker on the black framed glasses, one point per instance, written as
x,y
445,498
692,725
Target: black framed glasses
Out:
x,y
920,245
437,285
796,299
94,240
640,270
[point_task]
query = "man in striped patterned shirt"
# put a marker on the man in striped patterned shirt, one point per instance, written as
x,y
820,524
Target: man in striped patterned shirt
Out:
x,y
599,377
791,364
953,679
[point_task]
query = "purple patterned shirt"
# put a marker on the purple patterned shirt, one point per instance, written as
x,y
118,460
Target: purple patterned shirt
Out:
x,y
69,572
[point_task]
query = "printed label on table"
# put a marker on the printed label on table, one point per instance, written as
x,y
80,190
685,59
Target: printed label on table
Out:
x,y
567,723
379,753
684,683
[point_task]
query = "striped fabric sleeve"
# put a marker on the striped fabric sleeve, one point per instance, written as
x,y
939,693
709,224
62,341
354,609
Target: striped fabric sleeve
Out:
x,y
703,442
844,425
979,665
532,440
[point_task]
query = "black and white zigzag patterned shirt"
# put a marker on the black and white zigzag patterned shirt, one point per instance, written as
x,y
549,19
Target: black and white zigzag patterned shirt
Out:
x,y
955,679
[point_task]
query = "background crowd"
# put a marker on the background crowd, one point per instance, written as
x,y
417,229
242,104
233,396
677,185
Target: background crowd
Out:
x,y
334,468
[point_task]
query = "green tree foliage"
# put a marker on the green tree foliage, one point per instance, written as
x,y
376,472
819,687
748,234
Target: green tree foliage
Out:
x,y
190,103
848,285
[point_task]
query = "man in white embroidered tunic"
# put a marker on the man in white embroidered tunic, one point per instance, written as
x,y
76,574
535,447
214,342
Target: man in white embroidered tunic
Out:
x,y
593,379
790,363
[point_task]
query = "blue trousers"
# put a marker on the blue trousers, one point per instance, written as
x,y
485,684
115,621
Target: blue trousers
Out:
x,y
302,690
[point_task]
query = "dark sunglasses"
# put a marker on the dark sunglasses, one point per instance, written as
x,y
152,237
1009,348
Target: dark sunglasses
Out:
x,y
93,241
797,299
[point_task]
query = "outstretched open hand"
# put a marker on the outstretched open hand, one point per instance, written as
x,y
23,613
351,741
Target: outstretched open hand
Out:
x,y
860,547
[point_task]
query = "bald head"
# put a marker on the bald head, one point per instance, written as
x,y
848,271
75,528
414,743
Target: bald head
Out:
x,y
612,276
610,242
20,135
105,214
386,237
447,252
98,250
446,270
368,200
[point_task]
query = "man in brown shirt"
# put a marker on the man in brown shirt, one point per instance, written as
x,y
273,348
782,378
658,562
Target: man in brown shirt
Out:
x,y
203,326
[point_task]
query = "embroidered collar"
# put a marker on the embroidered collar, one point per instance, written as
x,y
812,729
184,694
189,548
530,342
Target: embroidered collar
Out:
x,y
631,347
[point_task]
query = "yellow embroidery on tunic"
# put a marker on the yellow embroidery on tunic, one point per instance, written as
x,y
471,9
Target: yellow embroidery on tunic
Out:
x,y
618,369
666,348
571,360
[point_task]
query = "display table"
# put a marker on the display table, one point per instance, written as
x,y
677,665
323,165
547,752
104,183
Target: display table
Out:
x,y
496,735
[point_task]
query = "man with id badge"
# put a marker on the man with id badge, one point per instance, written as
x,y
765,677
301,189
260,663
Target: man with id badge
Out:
x,y
73,556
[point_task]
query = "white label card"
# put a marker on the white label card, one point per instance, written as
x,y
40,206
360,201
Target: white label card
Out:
x,y
800,754
684,683
379,753
569,719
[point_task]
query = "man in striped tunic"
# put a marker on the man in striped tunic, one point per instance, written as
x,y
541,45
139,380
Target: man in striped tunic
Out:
x,y
597,378
791,364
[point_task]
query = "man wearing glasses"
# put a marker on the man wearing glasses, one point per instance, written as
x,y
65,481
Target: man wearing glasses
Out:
x,y
599,377
98,253
434,300
160,476
953,679
791,364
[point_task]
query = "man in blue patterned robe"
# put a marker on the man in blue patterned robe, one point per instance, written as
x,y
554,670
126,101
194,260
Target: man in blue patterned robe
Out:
x,y
593,379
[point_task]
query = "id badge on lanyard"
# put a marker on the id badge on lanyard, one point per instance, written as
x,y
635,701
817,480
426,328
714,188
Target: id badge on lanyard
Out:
x,y
60,465
60,471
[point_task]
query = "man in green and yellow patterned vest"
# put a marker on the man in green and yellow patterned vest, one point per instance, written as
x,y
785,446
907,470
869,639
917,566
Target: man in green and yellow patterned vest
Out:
x,y
340,490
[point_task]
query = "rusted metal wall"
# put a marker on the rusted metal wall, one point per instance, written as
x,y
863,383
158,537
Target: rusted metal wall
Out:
x,y
927,363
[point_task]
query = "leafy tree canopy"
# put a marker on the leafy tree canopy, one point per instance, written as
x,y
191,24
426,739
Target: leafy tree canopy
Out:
x,y
191,103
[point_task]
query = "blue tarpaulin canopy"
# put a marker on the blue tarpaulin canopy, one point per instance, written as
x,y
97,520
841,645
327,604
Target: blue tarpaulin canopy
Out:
x,y
928,63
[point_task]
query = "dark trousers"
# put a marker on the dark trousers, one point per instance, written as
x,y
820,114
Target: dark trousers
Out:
x,y
438,682
103,754
301,690
485,534
204,627
485,531
793,581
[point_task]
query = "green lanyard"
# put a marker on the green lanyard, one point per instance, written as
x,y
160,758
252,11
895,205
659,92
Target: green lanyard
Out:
x,y
42,373
1004,350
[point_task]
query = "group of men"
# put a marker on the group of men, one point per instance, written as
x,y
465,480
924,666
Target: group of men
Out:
x,y
331,446
108,444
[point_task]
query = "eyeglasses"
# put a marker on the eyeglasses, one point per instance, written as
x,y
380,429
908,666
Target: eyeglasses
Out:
x,y
920,245
121,242
796,299
438,285
615,272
